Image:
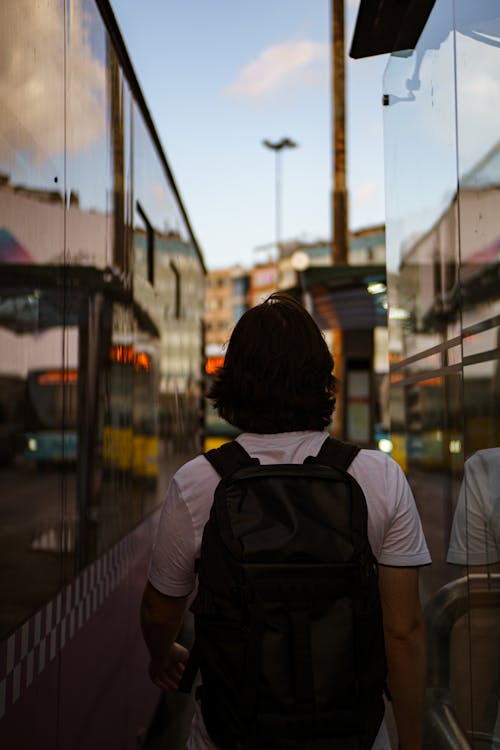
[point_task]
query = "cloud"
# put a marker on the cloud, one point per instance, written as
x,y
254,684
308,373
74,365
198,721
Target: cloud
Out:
x,y
32,82
288,64
159,194
364,193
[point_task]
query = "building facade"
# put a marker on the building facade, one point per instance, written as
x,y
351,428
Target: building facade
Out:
x,y
226,299
231,291
349,297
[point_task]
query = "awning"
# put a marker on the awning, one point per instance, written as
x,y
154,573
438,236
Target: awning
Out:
x,y
36,297
385,26
340,298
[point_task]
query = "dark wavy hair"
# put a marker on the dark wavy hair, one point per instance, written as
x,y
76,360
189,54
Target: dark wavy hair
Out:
x,y
277,374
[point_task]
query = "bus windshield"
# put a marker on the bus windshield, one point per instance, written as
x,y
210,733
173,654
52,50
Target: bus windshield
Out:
x,y
52,398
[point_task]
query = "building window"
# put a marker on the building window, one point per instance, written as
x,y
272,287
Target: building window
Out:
x,y
177,292
150,244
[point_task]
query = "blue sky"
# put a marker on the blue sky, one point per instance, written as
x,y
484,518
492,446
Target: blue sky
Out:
x,y
221,76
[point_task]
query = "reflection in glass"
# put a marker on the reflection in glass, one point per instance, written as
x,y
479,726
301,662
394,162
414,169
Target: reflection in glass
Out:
x,y
100,378
38,437
37,452
475,533
443,247
475,543
478,42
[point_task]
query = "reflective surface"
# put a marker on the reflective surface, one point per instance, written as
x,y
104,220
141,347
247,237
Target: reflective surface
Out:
x,y
101,304
443,235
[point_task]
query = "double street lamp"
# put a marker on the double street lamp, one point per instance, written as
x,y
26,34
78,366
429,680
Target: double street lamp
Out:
x,y
277,147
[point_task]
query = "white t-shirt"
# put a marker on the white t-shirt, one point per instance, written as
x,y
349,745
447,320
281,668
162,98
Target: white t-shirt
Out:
x,y
475,533
394,527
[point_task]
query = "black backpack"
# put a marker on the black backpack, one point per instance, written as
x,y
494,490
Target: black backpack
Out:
x,y
288,624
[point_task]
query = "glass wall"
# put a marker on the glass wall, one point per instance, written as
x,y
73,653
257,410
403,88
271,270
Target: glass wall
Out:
x,y
101,305
442,153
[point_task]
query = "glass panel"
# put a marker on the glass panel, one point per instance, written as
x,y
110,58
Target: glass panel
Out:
x,y
475,538
478,94
474,551
174,302
90,231
442,127
92,81
38,343
422,260
422,240
139,359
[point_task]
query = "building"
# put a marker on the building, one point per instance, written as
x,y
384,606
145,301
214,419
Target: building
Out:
x,y
350,298
226,299
231,291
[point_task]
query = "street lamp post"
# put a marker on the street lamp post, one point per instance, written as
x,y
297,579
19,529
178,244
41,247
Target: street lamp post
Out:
x,y
278,147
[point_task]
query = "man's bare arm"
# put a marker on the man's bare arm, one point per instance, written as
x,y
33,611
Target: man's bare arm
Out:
x,y
161,619
404,631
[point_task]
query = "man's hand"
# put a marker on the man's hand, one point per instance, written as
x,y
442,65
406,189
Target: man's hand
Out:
x,y
161,618
167,676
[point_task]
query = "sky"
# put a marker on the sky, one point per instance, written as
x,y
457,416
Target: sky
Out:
x,y
219,77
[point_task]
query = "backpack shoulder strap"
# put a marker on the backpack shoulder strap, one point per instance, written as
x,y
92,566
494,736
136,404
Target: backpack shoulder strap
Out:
x,y
339,455
335,453
229,457
226,459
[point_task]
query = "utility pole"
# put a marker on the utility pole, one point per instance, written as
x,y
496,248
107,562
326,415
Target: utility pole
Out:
x,y
340,205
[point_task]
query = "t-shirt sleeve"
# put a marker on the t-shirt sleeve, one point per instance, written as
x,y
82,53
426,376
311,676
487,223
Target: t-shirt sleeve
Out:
x,y
172,563
404,542
472,541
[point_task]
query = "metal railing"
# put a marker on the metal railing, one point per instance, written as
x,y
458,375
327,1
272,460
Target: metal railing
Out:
x,y
442,727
